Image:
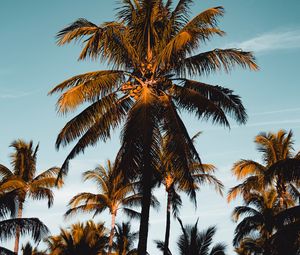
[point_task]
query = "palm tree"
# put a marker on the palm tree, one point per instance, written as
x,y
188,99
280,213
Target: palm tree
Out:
x,y
113,195
275,148
29,250
278,227
259,218
125,239
193,242
80,239
25,226
150,47
174,181
23,180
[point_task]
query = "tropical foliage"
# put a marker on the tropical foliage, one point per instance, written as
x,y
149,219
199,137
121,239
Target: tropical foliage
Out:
x,y
150,47
276,148
270,215
10,227
81,239
173,180
23,182
193,242
113,195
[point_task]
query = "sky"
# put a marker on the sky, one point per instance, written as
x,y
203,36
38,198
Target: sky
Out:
x,y
31,64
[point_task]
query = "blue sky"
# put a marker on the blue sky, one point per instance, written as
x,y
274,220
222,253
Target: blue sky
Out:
x,y
31,64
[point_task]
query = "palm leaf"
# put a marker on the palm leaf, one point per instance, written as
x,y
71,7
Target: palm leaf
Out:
x,y
211,61
32,226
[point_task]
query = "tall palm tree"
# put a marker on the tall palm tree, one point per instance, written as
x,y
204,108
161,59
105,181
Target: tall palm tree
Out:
x,y
174,181
193,242
275,148
80,239
9,227
150,48
113,195
23,180
125,239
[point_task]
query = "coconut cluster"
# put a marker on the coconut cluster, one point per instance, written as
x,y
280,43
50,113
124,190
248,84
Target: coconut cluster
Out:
x,y
132,89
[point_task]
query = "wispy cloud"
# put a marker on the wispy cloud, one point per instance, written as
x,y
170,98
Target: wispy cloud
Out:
x,y
276,40
267,123
276,111
16,94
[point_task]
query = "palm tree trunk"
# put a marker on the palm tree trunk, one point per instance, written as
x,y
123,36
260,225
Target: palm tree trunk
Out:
x,y
146,200
168,223
112,231
18,231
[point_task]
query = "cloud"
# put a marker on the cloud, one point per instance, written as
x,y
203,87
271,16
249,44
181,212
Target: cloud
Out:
x,y
276,111
267,123
277,40
15,95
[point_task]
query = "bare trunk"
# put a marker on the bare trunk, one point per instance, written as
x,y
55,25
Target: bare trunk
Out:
x,y
18,231
146,200
112,231
168,223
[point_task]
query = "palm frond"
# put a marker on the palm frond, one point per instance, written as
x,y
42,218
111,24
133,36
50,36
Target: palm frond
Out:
x,y
4,172
288,169
218,249
215,60
5,251
38,193
111,119
223,97
132,214
245,227
32,226
244,168
193,101
243,211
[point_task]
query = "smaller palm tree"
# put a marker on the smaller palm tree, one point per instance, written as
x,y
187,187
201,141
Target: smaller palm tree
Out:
x,y
259,214
193,242
113,195
277,151
172,177
125,240
29,250
9,227
80,239
23,179
278,229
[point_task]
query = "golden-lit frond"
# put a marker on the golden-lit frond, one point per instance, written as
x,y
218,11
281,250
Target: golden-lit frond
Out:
x,y
207,18
252,183
76,31
233,193
105,77
244,168
87,87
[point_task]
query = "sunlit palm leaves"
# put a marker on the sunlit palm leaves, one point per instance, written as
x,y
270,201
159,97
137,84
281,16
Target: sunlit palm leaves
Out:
x,y
151,46
279,166
114,195
81,239
22,182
